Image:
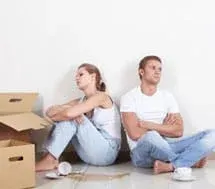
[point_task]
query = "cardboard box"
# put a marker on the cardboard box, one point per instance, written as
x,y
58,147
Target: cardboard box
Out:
x,y
17,158
17,164
16,118
7,133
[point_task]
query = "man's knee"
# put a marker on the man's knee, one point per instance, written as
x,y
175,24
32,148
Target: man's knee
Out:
x,y
152,138
210,134
210,131
151,135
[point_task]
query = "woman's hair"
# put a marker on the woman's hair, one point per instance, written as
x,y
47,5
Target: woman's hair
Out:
x,y
100,85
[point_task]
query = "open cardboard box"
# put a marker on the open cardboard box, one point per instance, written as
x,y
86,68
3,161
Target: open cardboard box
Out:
x,y
17,158
17,164
16,118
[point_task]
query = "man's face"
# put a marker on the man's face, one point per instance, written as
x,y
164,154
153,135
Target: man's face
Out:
x,y
151,73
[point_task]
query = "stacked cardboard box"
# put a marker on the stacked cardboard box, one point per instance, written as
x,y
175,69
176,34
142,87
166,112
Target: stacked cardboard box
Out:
x,y
17,158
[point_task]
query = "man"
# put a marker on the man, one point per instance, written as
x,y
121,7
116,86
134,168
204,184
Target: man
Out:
x,y
150,115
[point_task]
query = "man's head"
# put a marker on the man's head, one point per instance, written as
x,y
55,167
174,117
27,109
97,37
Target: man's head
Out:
x,y
150,68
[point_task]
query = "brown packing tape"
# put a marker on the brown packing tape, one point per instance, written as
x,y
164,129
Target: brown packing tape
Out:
x,y
95,177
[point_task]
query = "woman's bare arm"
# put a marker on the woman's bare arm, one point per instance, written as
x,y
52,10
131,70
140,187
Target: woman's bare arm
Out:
x,y
78,109
58,108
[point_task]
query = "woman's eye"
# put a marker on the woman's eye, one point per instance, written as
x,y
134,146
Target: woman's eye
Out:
x,y
81,75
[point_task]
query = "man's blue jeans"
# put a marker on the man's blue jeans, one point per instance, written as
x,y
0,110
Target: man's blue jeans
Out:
x,y
182,153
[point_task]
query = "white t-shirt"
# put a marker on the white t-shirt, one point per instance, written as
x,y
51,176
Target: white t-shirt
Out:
x,y
148,108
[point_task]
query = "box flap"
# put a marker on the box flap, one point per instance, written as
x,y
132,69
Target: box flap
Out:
x,y
7,133
16,102
9,143
24,121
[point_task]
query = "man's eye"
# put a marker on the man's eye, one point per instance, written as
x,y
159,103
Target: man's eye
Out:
x,y
81,75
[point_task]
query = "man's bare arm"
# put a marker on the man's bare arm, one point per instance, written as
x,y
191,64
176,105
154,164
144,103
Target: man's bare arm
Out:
x,y
131,125
171,127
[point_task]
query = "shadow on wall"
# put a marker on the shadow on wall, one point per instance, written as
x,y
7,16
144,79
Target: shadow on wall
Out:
x,y
65,91
129,79
38,136
169,82
188,126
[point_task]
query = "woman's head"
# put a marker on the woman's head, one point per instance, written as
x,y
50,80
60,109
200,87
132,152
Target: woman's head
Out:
x,y
89,74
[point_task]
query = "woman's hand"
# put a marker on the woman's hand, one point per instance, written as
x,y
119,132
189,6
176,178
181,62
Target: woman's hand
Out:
x,y
55,109
79,119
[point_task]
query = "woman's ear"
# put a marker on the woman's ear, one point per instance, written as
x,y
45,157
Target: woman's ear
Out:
x,y
93,76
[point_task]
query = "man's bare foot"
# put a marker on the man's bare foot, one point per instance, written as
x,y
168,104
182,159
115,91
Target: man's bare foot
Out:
x,y
162,167
201,163
48,162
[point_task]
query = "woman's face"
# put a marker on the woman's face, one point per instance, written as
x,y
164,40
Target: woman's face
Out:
x,y
84,78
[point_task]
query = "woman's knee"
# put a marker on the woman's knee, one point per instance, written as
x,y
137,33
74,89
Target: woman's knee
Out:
x,y
65,127
65,124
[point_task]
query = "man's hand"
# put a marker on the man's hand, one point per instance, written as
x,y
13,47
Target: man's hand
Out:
x,y
172,125
172,119
169,119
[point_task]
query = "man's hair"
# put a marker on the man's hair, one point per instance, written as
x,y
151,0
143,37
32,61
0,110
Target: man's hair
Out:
x,y
145,60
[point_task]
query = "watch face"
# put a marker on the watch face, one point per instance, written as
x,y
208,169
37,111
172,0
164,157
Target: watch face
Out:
x,y
64,168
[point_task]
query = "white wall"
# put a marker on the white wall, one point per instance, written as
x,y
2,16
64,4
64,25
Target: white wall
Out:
x,y
43,42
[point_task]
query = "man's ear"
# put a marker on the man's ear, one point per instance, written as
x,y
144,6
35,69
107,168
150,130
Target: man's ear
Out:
x,y
141,72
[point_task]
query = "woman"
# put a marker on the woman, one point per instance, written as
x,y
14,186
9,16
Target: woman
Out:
x,y
91,124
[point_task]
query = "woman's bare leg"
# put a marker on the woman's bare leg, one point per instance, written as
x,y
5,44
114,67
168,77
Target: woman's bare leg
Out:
x,y
48,162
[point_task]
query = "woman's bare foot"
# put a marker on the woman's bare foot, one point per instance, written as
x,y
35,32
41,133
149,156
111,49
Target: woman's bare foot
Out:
x,y
48,162
201,163
162,167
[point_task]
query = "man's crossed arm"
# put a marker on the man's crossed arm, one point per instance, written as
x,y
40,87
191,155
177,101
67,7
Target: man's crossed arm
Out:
x,y
172,125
